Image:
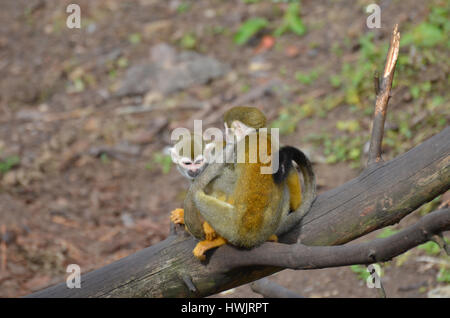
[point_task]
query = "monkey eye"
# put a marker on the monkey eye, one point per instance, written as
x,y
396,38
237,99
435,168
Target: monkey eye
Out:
x,y
187,163
198,161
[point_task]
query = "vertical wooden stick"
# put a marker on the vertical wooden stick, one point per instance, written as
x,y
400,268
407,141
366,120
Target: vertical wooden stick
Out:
x,y
382,99
3,248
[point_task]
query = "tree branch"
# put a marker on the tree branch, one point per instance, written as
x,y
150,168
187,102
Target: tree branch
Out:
x,y
383,94
269,289
299,256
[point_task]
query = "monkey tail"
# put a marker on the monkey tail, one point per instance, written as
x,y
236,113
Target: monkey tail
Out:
x,y
287,154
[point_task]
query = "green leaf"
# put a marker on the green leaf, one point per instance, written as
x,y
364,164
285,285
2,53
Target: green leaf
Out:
x,y
249,29
443,275
361,271
294,20
9,163
424,35
291,21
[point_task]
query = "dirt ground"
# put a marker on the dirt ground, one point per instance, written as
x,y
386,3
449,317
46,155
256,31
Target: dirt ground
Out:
x,y
84,177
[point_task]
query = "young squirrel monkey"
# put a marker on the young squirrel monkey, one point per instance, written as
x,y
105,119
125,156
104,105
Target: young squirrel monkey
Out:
x,y
244,206
190,164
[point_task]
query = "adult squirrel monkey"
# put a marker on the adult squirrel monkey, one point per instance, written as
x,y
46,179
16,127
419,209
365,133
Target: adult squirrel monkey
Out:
x,y
244,206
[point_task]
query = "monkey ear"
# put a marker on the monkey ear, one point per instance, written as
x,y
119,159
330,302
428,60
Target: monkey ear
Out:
x,y
241,130
174,155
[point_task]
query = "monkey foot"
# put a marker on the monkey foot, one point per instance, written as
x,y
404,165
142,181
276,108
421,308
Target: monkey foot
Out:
x,y
210,233
273,238
203,246
177,216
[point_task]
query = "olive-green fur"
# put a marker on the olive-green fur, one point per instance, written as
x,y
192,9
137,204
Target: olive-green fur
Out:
x,y
250,116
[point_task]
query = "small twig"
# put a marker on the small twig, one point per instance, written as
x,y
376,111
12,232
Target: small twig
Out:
x,y
381,293
269,289
3,248
376,83
383,95
188,281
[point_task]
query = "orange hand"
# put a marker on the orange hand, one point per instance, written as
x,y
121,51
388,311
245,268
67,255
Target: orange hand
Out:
x,y
177,216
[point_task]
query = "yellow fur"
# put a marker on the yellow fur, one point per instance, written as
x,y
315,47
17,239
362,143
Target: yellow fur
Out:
x,y
295,190
254,191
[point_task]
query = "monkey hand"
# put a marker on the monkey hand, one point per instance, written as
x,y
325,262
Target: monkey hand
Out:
x,y
177,216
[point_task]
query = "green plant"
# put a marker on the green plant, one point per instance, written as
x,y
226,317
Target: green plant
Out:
x,y
9,163
105,158
289,117
183,7
361,271
134,38
164,162
291,21
339,148
307,78
430,248
248,29
335,80
188,41
443,275
432,31
348,125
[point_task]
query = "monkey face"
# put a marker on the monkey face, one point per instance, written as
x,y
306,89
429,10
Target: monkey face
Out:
x,y
191,168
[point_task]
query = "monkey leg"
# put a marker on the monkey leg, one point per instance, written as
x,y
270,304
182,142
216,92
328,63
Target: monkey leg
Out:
x,y
295,190
177,216
203,246
210,233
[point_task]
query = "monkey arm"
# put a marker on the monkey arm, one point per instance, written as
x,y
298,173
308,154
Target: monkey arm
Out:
x,y
222,214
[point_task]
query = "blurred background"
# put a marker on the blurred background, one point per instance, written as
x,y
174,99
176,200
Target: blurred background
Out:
x,y
85,116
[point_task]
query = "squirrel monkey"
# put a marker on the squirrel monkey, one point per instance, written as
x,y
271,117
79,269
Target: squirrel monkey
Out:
x,y
244,206
190,165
